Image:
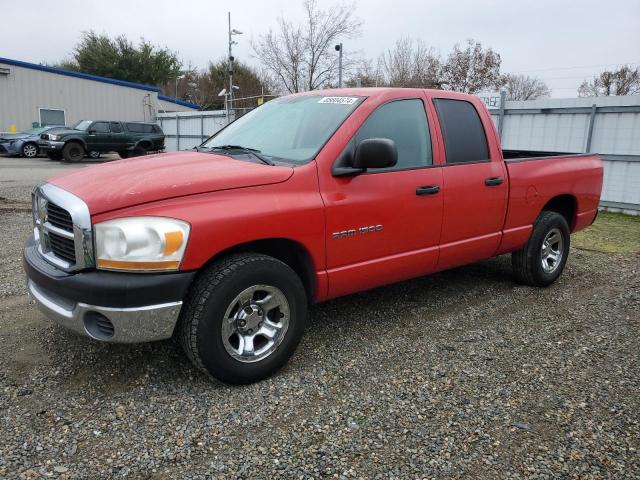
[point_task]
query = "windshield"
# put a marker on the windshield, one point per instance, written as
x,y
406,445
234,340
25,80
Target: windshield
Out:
x,y
36,131
82,125
292,128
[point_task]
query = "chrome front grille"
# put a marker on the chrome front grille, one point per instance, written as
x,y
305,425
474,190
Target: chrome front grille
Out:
x,y
62,228
59,217
63,247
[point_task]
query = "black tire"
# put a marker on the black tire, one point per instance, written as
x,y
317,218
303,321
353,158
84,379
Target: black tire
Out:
x,y
73,152
528,264
54,156
211,296
30,150
139,151
124,154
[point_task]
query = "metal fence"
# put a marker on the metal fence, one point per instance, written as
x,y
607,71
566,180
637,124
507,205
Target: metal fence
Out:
x,y
609,126
185,130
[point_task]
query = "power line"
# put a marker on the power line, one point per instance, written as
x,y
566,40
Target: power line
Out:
x,y
578,66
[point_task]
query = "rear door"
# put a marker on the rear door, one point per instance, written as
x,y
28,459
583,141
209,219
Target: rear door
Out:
x,y
384,225
474,186
117,139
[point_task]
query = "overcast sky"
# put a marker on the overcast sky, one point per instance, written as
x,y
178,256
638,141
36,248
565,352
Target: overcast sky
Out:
x,y
560,41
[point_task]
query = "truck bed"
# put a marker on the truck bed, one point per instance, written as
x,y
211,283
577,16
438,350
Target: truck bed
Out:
x,y
536,178
511,155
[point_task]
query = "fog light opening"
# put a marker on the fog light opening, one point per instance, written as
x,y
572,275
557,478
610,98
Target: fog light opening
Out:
x,y
98,326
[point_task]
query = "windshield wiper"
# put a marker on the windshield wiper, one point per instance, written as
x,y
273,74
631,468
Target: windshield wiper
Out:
x,y
251,151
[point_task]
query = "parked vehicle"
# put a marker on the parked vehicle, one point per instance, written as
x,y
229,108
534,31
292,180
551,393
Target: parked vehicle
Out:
x,y
25,144
306,198
91,138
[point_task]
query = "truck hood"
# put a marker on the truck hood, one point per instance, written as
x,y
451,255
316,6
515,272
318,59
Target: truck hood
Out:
x,y
134,181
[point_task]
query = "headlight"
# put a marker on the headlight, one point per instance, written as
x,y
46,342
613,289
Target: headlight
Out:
x,y
141,243
53,137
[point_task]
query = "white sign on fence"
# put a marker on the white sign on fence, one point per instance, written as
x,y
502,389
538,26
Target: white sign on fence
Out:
x,y
490,99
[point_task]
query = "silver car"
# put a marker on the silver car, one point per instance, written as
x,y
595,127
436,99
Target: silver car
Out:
x,y
24,144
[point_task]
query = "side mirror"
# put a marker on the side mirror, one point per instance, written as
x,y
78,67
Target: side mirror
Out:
x,y
375,153
370,153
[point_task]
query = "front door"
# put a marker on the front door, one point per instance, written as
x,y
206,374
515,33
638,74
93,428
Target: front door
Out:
x,y
384,225
99,136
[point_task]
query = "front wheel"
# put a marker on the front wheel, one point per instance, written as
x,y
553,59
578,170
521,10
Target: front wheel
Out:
x,y
30,150
543,258
54,155
243,318
73,152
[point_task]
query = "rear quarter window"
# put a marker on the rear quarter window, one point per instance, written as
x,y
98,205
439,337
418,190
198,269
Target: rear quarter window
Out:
x,y
140,127
464,136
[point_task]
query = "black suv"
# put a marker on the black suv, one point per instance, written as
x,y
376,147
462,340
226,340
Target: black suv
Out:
x,y
128,139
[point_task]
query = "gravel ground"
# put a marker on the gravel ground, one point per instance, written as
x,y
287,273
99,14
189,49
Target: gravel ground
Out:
x,y
462,374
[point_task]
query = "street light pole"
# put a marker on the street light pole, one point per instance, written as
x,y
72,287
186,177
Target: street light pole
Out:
x,y
230,66
229,104
339,49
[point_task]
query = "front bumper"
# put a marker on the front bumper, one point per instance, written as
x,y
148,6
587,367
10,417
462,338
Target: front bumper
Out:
x,y
50,146
10,148
107,306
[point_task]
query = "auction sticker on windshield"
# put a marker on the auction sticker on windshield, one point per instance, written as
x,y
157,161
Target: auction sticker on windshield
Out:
x,y
339,100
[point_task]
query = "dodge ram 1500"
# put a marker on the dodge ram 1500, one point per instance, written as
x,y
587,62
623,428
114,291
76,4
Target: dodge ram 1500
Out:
x,y
306,198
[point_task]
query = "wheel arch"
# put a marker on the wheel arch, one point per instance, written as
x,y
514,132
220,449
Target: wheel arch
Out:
x,y
566,205
79,140
288,251
144,143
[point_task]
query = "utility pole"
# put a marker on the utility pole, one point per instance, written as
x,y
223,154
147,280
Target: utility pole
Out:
x,y
230,93
339,49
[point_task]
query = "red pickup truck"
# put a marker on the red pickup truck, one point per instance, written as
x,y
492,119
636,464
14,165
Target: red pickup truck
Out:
x,y
306,198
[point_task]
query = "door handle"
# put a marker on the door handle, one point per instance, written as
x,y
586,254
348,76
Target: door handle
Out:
x,y
493,181
428,190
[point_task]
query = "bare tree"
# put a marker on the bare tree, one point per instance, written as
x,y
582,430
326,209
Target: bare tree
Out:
x,y
472,69
624,81
301,57
203,86
366,73
411,64
524,87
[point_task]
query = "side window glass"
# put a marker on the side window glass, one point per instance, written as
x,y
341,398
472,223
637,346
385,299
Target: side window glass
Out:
x,y
464,136
100,127
404,122
116,127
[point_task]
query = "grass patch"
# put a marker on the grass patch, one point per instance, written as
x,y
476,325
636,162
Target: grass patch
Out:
x,y
611,233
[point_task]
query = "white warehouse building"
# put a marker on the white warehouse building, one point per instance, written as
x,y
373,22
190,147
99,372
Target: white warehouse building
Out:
x,y
32,95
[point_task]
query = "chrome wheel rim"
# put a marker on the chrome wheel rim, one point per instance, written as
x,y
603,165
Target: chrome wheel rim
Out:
x,y
552,250
30,151
255,323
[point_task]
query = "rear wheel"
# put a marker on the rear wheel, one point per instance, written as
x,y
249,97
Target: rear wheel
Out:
x,y
139,151
243,318
73,152
543,258
30,150
124,154
54,155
